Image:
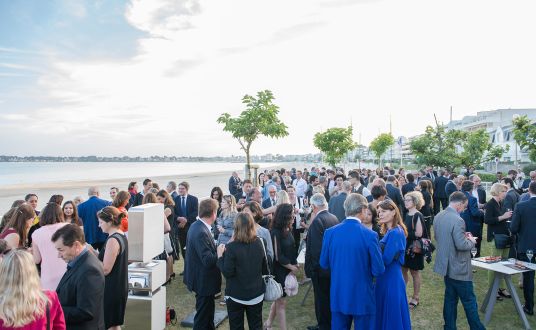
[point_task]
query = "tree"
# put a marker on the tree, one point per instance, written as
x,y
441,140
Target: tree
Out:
x,y
335,143
525,135
380,145
449,149
259,118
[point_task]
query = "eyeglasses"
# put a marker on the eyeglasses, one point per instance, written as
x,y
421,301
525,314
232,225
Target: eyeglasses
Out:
x,y
408,200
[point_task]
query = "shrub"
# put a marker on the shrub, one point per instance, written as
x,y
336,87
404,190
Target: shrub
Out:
x,y
527,168
487,177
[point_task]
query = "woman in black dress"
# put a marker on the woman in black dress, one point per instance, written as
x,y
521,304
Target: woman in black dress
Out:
x,y
427,207
114,257
414,222
284,259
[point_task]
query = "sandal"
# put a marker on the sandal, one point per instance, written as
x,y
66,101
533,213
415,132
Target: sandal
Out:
x,y
413,303
266,326
505,294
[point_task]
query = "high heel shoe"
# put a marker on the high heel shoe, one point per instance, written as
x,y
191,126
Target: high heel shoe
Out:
x,y
266,326
172,275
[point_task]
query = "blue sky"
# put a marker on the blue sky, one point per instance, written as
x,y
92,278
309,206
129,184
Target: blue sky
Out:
x,y
143,77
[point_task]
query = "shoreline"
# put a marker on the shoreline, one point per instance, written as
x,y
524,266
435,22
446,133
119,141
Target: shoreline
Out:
x,y
200,185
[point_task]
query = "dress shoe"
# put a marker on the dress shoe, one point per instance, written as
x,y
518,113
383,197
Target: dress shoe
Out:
x,y
527,311
312,327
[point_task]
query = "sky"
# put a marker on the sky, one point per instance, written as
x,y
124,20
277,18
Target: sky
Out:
x,y
151,77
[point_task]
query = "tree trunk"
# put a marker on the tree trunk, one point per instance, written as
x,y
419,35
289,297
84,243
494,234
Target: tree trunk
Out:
x,y
248,164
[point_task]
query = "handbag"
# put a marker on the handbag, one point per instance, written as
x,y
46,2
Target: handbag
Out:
x,y
274,290
421,245
291,285
502,241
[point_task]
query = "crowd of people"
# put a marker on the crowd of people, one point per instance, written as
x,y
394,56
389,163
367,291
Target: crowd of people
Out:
x,y
366,236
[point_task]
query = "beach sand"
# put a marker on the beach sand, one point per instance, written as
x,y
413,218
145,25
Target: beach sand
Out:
x,y
200,185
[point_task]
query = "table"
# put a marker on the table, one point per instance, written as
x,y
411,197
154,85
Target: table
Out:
x,y
501,271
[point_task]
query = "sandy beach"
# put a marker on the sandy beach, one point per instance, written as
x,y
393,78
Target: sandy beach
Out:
x,y
200,186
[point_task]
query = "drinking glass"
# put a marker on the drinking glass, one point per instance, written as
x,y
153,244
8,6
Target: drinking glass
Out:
x,y
530,254
474,251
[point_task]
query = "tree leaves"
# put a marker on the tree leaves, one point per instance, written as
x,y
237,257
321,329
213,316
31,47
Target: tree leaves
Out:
x,y
381,143
525,135
335,143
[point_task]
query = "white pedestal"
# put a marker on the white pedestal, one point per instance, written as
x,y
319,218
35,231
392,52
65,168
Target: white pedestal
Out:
x,y
145,232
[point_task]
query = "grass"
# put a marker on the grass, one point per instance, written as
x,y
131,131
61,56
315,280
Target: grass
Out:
x,y
427,316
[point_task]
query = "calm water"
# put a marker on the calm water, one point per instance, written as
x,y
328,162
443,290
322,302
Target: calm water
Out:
x,y
27,173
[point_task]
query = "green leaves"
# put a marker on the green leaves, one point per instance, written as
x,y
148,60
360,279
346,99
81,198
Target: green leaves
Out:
x,y
525,135
335,143
259,118
381,144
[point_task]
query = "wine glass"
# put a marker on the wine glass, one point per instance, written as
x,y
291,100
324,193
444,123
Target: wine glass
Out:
x,y
474,251
530,254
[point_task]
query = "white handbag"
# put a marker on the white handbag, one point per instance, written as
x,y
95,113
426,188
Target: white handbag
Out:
x,y
274,290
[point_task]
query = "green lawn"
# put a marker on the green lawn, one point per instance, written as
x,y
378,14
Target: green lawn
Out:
x,y
427,316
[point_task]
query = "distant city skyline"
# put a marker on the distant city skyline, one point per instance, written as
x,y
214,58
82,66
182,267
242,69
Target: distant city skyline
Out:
x,y
140,78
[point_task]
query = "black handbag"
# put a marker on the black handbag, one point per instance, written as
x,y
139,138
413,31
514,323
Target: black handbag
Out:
x,y
502,241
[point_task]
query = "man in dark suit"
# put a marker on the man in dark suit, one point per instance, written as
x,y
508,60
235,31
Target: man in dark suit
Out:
x,y
201,275
235,185
512,197
322,220
452,185
410,186
394,193
186,209
81,289
270,201
524,226
87,211
440,195
527,181
431,174
478,191
138,198
336,204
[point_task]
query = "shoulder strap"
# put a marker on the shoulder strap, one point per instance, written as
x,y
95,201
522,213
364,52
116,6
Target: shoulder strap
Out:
x,y
265,256
48,315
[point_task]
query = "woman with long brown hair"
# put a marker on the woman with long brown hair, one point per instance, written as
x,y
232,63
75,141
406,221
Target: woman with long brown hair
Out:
x,y
16,230
121,201
70,213
392,310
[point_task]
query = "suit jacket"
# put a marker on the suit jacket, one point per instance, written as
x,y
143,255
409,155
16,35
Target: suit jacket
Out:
x,y
428,175
526,183
192,209
201,275
395,195
510,200
88,212
336,206
453,257
234,186
352,253
491,218
481,195
266,203
524,225
323,221
81,294
410,186
138,199
439,187
472,215
450,188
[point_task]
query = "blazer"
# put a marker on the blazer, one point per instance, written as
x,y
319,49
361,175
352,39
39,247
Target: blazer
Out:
x,y
410,186
439,187
524,226
450,187
323,221
88,212
395,195
201,275
491,218
510,200
192,208
235,186
266,203
243,265
472,214
481,195
453,257
336,206
138,199
352,253
81,294
526,183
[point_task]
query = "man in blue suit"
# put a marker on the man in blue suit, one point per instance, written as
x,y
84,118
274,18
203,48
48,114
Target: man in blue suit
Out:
x,y
524,226
336,204
87,211
440,195
352,254
186,209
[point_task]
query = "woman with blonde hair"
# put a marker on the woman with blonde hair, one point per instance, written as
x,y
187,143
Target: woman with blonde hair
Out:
x,y
391,301
416,228
23,305
225,222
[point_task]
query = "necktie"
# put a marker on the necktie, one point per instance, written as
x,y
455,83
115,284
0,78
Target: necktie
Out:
x,y
183,205
273,202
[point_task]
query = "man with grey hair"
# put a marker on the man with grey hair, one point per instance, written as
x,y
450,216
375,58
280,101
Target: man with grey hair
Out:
x,y
172,189
322,220
336,203
88,212
352,253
